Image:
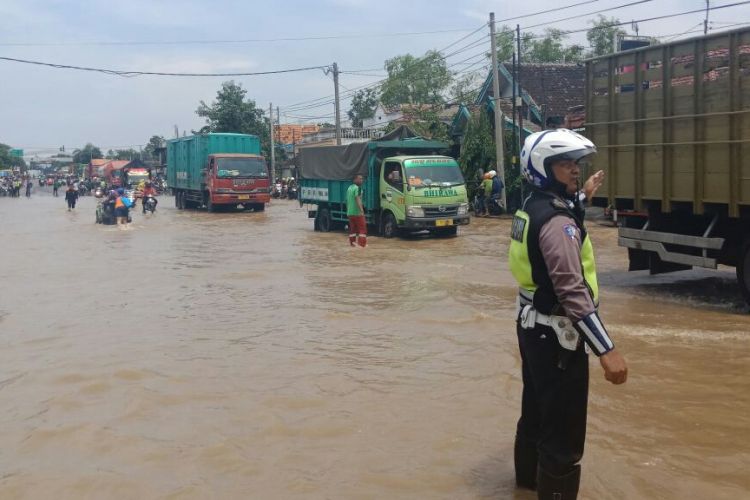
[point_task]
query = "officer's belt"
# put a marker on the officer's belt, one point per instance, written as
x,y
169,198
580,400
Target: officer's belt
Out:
x,y
528,318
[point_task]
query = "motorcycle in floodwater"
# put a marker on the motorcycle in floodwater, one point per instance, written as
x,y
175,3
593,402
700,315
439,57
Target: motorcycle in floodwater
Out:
x,y
149,204
493,205
291,193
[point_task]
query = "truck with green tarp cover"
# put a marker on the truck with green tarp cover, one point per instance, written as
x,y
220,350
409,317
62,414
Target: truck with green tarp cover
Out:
x,y
672,125
409,185
218,169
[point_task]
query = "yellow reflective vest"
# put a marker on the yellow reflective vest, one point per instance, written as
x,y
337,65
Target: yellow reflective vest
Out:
x,y
526,261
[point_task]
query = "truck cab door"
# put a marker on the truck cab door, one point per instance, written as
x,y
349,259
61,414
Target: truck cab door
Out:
x,y
392,196
207,174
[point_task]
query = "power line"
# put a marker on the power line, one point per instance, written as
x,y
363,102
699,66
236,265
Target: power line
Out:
x,y
473,44
656,18
630,4
320,100
324,101
236,41
154,73
541,12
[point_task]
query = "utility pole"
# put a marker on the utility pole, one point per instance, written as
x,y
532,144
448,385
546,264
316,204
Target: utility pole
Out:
x,y
517,83
273,147
338,104
499,136
705,23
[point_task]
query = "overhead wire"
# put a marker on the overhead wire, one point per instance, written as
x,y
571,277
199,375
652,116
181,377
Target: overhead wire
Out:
x,y
522,16
655,18
128,74
234,41
617,7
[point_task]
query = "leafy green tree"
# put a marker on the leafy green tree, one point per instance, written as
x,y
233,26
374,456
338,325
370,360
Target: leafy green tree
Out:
x,y
86,154
233,112
478,155
363,106
156,142
505,42
425,121
551,49
601,35
126,154
465,88
415,80
477,151
8,161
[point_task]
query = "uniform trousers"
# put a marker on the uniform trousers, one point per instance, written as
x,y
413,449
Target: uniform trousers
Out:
x,y
554,401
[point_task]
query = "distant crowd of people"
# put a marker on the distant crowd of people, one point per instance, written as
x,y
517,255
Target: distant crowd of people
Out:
x,y
13,186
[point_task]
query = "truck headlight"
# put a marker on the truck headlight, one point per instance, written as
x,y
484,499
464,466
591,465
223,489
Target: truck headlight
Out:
x,y
223,190
463,209
415,211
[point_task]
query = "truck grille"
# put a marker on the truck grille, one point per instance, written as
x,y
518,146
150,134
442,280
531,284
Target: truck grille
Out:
x,y
448,211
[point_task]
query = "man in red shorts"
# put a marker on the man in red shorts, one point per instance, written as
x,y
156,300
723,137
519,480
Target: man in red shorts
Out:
x,y
356,213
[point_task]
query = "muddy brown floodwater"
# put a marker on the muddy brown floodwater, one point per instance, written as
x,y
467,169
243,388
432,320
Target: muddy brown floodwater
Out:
x,y
242,355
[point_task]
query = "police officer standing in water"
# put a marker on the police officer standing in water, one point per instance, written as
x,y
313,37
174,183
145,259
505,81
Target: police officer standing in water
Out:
x,y
558,323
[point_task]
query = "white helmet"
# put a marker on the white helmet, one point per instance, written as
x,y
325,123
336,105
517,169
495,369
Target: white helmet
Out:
x,y
541,149
492,173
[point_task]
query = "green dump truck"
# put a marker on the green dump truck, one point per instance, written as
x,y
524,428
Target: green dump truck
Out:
x,y
672,124
409,186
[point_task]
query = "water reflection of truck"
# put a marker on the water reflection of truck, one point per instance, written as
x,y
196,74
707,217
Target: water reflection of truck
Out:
x,y
672,126
215,170
408,185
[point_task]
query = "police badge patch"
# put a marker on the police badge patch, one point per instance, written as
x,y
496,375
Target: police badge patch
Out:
x,y
571,231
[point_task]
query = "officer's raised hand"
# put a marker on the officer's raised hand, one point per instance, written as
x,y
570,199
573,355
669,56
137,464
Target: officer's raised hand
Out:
x,y
592,184
615,368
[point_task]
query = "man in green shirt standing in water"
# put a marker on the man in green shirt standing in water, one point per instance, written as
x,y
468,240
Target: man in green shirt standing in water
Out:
x,y
356,213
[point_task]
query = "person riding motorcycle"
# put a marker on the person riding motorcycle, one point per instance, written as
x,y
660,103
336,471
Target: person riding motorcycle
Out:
x,y
122,206
148,192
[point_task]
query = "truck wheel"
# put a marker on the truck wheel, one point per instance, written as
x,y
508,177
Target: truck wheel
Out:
x,y
324,220
259,207
179,200
390,228
743,271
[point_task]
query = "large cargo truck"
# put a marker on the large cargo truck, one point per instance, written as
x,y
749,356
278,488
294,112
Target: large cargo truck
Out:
x,y
409,186
215,170
672,127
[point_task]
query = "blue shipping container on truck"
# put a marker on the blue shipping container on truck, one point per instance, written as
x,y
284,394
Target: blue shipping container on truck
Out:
x,y
187,156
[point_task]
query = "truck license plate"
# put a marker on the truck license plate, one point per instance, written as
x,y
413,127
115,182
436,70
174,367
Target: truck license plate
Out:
x,y
444,222
243,197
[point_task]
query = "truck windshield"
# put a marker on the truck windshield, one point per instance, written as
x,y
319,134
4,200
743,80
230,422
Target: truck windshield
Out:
x,y
134,180
434,176
242,167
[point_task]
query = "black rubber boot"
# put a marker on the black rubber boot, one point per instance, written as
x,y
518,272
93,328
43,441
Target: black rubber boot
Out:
x,y
525,457
551,487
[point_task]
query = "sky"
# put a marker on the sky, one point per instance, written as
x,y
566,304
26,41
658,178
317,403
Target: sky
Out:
x,y
43,109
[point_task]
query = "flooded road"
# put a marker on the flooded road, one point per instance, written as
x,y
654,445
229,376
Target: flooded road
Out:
x,y
242,355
